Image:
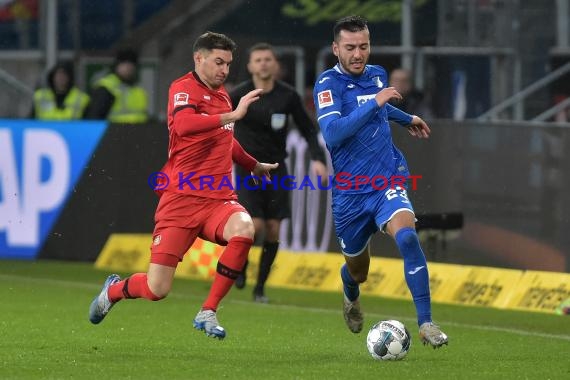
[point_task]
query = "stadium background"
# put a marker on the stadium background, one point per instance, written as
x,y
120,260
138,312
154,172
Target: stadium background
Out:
x,y
497,155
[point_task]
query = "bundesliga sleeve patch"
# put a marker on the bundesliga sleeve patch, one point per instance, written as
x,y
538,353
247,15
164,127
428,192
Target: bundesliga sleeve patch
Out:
x,y
325,98
181,99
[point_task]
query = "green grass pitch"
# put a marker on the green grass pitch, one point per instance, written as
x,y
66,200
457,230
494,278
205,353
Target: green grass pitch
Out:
x,y
45,334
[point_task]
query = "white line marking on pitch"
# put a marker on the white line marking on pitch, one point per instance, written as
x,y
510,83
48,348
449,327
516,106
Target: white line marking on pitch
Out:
x,y
84,285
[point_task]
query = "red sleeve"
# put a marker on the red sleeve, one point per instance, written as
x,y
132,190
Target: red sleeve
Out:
x,y
242,158
186,121
183,102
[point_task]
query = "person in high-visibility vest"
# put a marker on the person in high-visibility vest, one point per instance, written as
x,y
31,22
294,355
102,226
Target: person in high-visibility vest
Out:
x,y
117,97
60,99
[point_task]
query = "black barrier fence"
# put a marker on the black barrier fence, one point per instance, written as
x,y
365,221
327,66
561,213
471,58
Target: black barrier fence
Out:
x,y
506,182
510,183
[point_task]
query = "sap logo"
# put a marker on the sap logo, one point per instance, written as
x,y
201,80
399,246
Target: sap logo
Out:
x,y
364,98
39,165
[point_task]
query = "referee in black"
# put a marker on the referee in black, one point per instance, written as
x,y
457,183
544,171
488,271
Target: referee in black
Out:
x,y
263,134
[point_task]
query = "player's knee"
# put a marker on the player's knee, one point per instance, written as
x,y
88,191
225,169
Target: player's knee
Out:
x,y
407,238
244,229
158,291
239,224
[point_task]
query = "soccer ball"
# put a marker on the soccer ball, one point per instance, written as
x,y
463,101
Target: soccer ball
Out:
x,y
388,340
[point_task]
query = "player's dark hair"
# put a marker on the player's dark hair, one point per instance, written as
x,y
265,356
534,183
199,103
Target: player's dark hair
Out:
x,y
350,24
262,46
211,41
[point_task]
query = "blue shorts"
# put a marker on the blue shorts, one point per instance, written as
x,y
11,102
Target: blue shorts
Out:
x,y
358,216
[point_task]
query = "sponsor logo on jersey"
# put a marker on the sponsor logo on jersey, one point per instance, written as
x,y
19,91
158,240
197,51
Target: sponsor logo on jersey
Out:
x,y
181,99
378,82
350,85
207,97
228,126
323,80
364,98
325,98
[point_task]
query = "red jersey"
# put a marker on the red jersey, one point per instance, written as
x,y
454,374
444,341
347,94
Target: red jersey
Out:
x,y
201,149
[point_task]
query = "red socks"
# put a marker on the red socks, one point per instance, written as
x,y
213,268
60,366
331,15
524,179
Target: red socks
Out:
x,y
135,286
229,266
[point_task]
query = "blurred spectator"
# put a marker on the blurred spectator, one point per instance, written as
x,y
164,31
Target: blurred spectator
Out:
x,y
413,102
60,99
117,97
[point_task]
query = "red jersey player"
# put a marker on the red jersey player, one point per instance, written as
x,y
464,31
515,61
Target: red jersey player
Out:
x,y
199,200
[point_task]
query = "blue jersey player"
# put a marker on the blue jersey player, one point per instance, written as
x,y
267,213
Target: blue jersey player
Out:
x,y
353,113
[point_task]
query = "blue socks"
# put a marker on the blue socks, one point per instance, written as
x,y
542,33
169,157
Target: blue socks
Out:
x,y
415,270
351,289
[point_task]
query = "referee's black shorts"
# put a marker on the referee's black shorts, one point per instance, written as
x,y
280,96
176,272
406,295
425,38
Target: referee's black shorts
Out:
x,y
271,203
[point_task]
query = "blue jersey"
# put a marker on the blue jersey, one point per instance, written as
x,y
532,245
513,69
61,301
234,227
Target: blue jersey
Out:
x,y
356,129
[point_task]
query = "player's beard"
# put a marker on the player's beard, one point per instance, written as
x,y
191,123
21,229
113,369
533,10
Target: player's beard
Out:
x,y
347,66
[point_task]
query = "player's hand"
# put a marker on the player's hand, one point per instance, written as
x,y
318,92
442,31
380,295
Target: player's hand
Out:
x,y
320,170
263,169
387,94
245,102
418,128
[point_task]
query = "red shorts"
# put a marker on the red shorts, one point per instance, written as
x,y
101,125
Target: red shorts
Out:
x,y
180,219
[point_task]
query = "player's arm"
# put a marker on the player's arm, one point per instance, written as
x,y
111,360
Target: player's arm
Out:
x,y
242,158
186,121
397,115
335,127
307,128
416,126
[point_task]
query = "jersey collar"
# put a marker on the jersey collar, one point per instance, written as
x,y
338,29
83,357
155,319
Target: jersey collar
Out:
x,y
341,71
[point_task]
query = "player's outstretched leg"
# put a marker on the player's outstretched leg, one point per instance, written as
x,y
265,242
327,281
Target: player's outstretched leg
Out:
x,y
351,305
417,278
430,333
207,321
234,256
101,304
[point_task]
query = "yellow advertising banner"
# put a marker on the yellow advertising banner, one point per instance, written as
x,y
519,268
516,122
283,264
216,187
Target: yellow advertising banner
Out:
x,y
125,253
541,291
449,283
383,275
307,271
481,286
